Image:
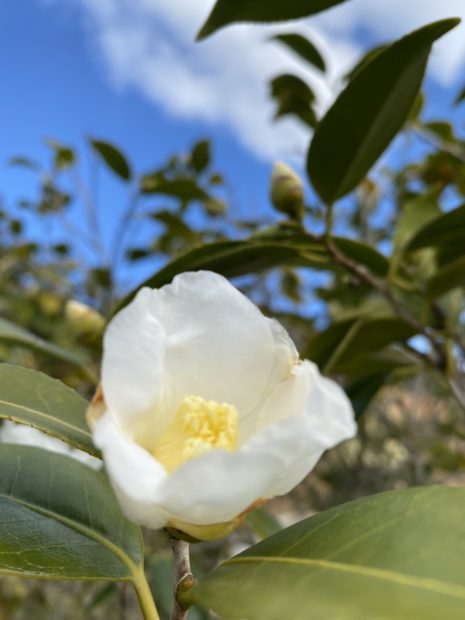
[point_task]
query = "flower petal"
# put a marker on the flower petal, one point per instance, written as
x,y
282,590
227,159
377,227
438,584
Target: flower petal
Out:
x,y
133,472
303,417
218,344
132,366
218,486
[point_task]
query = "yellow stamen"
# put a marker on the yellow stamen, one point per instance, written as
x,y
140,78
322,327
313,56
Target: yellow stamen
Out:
x,y
199,426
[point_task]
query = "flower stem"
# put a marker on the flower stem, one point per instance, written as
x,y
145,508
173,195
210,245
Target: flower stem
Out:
x,y
146,602
184,577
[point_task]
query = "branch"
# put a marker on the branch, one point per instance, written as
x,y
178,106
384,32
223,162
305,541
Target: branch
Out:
x,y
184,577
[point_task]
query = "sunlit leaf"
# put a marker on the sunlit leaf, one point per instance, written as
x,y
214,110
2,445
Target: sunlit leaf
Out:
x,y
369,112
395,556
33,398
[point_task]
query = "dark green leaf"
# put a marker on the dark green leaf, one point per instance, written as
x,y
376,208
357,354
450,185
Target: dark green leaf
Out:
x,y
15,335
441,129
413,217
448,228
322,346
32,398
113,158
395,556
200,156
235,258
364,60
369,113
365,254
367,335
232,11
64,155
449,277
184,189
460,96
60,520
293,96
303,48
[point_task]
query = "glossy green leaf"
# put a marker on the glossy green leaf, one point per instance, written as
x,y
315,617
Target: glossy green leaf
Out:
x,y
60,520
33,398
113,158
16,335
232,11
369,112
447,228
394,556
451,276
302,47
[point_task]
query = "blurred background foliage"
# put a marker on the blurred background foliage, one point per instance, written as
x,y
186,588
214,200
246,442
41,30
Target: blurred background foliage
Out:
x,y
377,302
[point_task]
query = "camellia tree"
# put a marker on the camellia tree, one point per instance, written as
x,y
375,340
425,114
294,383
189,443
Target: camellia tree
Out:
x,y
203,409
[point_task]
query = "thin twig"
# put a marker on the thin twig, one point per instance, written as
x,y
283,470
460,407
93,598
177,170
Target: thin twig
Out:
x,y
184,577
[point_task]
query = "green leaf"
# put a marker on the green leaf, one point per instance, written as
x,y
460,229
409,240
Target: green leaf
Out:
x,y
184,189
60,520
113,158
416,214
448,228
364,60
369,112
235,258
336,348
232,11
293,96
460,97
15,335
394,556
449,277
302,47
322,346
367,335
32,398
200,155
365,254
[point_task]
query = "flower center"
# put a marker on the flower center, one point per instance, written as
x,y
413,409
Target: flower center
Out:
x,y
199,426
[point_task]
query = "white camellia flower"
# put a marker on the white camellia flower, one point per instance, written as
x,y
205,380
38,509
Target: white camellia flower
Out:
x,y
205,410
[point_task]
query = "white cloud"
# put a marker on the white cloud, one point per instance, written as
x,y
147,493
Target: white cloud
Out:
x,y
148,45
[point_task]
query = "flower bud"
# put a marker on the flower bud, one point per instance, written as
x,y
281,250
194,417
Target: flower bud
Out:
x,y
287,191
83,319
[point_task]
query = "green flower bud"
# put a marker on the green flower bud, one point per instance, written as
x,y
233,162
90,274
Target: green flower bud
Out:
x,y
287,191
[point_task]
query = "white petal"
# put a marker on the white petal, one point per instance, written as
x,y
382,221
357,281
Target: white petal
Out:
x,y
218,344
218,486
133,472
303,417
132,366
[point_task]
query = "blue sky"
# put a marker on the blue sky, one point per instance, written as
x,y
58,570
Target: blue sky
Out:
x,y
130,72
